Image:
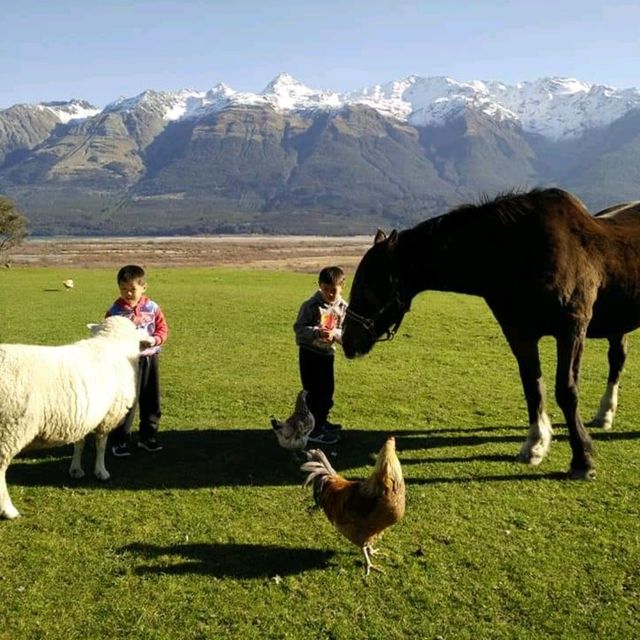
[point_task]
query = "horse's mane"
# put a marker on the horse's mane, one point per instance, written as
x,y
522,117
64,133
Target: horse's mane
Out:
x,y
510,206
504,210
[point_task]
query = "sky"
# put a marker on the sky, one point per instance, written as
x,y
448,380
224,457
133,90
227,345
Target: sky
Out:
x,y
100,50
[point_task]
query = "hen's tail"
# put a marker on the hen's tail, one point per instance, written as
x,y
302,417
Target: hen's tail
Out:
x,y
319,469
301,403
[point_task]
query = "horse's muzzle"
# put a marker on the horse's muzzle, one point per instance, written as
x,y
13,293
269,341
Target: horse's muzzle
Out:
x,y
355,345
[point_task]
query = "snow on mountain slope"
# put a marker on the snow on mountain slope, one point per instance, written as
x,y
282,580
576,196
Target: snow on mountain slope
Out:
x,y
564,107
169,105
552,107
72,110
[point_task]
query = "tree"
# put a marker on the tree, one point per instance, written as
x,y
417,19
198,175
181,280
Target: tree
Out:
x,y
13,226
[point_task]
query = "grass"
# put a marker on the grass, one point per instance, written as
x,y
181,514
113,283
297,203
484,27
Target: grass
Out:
x,y
212,538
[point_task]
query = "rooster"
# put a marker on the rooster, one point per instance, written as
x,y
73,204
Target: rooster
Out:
x,y
294,432
359,509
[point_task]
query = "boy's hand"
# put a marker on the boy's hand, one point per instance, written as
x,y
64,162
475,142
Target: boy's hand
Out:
x,y
325,334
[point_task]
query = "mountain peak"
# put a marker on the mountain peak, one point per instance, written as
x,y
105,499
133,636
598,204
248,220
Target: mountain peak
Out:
x,y
288,93
283,82
563,85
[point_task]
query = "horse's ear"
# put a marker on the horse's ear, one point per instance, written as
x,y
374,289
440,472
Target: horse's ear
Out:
x,y
393,238
380,236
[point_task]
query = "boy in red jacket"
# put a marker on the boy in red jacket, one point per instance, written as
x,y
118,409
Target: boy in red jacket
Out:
x,y
148,317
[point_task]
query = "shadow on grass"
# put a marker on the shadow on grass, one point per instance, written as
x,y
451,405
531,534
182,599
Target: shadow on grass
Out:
x,y
228,560
252,457
489,457
507,477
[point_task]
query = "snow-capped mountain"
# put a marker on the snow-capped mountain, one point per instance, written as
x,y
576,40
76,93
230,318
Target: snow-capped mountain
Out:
x,y
556,108
284,93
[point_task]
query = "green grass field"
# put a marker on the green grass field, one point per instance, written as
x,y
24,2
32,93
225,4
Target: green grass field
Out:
x,y
212,537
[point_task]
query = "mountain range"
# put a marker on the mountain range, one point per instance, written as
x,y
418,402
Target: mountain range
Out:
x,y
292,159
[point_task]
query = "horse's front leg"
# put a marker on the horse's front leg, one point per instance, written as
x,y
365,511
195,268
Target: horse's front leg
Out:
x,y
609,403
538,441
567,375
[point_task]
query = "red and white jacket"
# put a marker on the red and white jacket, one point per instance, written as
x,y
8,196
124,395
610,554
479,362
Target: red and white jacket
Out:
x,y
147,316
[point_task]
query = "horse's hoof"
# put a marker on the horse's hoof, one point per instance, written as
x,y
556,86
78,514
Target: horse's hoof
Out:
x,y
581,474
600,423
533,457
533,461
76,473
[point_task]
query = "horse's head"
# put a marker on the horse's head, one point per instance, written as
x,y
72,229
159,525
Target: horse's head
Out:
x,y
377,304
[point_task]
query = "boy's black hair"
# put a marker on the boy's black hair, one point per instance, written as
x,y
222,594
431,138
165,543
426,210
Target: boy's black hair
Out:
x,y
331,275
131,272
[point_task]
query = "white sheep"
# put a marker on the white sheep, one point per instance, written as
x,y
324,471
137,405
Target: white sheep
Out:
x,y
51,396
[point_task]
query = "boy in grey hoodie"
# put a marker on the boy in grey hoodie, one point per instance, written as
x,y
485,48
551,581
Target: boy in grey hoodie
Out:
x,y
318,328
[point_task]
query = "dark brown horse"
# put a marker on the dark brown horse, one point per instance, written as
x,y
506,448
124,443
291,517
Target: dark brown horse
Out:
x,y
545,267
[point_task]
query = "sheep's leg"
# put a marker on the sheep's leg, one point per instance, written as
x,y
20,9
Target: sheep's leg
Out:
x,y
100,470
75,470
7,510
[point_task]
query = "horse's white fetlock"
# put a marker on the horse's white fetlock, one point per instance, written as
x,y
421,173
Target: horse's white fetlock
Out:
x,y
536,446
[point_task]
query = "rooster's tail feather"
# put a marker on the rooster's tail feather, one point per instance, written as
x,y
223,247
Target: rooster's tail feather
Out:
x,y
319,469
318,464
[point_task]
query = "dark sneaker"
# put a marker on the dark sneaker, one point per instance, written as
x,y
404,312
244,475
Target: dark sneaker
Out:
x,y
150,444
331,426
121,450
323,437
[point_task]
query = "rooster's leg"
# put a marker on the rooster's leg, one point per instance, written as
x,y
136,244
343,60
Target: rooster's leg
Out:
x,y
375,552
368,551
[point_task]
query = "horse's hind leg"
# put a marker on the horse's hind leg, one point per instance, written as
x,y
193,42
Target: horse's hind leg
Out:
x,y
609,403
538,441
569,357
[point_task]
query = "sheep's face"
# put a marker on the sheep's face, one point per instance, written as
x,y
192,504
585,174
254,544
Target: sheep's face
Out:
x,y
117,326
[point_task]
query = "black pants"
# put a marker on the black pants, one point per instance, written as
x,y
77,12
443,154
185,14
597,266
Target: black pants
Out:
x,y
148,402
316,374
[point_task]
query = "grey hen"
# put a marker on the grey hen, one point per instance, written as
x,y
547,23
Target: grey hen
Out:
x,y
294,432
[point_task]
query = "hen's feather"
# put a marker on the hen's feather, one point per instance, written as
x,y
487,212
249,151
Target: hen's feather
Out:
x,y
294,432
